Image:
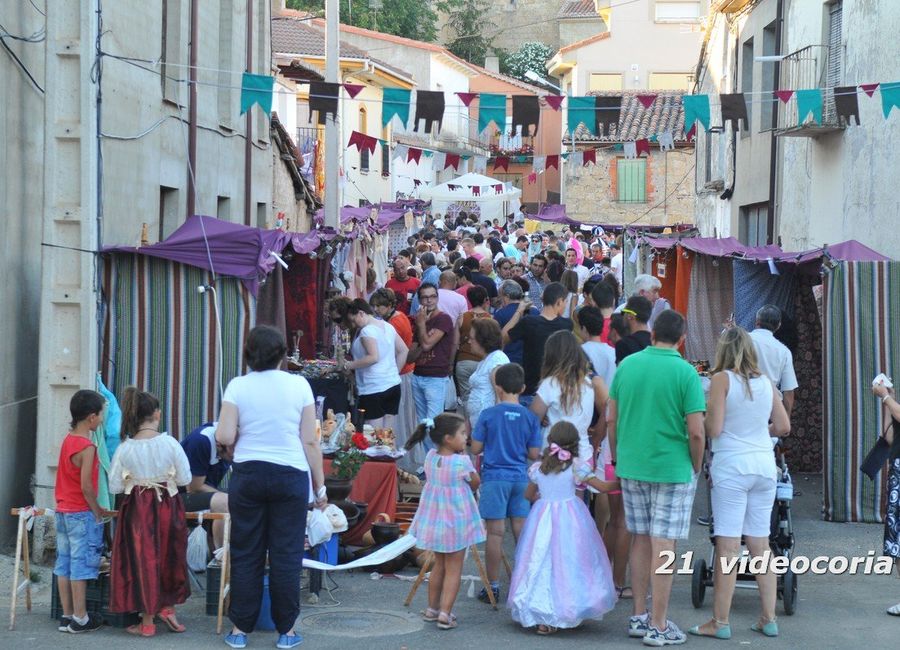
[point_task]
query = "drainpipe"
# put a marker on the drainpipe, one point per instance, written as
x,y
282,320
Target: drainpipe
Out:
x,y
248,142
192,107
773,157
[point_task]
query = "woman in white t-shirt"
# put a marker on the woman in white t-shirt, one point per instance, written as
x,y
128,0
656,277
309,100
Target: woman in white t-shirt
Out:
x,y
378,356
485,339
742,404
269,417
567,392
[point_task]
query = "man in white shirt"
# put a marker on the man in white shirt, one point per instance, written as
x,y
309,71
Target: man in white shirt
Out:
x,y
775,360
580,270
616,262
649,286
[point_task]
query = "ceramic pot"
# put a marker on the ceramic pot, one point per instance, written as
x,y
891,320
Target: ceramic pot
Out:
x,y
338,488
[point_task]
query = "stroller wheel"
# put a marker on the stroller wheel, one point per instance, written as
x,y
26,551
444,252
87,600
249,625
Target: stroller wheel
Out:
x,y
698,584
789,592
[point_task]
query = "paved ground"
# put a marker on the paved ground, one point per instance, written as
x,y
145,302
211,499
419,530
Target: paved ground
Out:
x,y
833,611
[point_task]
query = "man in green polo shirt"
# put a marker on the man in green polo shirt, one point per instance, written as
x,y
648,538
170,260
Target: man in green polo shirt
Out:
x,y
656,438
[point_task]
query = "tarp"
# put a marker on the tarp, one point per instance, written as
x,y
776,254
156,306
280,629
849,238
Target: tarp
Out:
x,y
492,205
385,216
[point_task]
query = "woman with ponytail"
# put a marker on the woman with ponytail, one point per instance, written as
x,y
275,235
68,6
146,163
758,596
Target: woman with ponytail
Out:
x,y
447,520
148,572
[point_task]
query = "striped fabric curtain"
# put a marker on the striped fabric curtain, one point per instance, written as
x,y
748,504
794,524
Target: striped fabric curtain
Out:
x,y
160,335
861,339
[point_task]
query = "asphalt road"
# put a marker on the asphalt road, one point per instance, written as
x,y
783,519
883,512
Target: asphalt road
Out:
x,y
833,611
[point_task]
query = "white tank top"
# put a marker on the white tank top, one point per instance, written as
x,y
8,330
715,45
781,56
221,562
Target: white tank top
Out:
x,y
744,446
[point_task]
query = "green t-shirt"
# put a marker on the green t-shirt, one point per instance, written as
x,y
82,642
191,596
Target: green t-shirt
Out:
x,y
654,390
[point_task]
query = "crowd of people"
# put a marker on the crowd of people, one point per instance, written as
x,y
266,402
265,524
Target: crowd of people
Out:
x,y
517,369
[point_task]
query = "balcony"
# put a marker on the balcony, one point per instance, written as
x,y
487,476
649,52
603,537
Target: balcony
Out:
x,y
459,135
806,68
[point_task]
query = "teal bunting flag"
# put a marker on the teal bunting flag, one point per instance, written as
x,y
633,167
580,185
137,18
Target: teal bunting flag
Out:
x,y
583,110
696,107
395,101
428,154
520,159
491,108
890,96
809,101
256,89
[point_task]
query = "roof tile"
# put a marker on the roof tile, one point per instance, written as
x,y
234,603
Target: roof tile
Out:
x,y
578,9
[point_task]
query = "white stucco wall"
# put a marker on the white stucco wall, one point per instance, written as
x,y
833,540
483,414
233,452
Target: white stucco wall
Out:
x,y
843,186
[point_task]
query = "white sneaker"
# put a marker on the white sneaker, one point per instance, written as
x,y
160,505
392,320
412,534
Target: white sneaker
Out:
x,y
638,625
670,636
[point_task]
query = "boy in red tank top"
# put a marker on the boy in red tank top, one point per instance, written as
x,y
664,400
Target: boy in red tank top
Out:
x,y
79,530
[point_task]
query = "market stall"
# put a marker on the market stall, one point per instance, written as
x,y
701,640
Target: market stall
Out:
x,y
472,193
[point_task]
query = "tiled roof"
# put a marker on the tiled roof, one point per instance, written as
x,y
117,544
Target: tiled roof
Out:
x,y
293,36
578,9
585,41
636,122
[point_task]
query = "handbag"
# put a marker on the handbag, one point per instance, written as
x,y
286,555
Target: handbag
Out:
x,y
876,458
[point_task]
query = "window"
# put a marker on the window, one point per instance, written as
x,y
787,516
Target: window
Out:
x,y
747,79
364,152
671,80
510,141
678,11
385,152
224,93
768,101
631,180
168,211
753,226
605,81
262,214
223,208
171,50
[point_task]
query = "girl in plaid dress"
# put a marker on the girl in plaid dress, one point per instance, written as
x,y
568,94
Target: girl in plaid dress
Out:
x,y
447,520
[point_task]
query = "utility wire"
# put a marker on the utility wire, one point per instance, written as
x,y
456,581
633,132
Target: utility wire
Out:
x,y
21,65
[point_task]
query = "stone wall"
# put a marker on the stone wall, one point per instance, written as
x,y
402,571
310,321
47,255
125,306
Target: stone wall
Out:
x,y
593,195
572,31
521,21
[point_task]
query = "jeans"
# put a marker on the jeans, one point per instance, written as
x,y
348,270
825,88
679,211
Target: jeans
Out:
x,y
268,505
79,545
429,393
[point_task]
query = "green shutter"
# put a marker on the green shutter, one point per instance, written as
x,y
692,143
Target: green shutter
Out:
x,y
631,177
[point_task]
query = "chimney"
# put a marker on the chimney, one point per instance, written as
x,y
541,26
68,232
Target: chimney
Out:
x,y
492,63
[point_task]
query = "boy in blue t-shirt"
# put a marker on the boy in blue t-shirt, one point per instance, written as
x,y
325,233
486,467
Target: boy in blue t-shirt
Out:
x,y
510,436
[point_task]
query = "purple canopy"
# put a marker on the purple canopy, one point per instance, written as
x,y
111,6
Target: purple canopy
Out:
x,y
229,248
386,215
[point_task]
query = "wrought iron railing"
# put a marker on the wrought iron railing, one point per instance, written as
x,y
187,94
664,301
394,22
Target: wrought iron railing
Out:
x,y
805,69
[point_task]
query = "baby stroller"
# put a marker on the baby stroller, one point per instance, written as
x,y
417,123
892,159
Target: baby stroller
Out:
x,y
781,542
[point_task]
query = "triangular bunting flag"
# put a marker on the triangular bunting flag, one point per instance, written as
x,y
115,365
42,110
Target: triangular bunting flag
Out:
x,y
589,156
577,159
429,107
646,100
809,101
362,141
890,97
784,95
642,146
416,182
476,190
532,178
323,99
553,162
869,89
526,111
564,156
583,110
353,89
480,164
609,110
846,104
438,161
452,160
696,107
630,149
452,187
666,141
491,108
400,151
467,98
734,108
554,101
691,134
256,89
501,162
498,188
395,101
414,155
539,163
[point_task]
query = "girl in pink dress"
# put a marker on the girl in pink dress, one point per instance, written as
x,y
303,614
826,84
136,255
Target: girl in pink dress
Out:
x,y
447,520
562,574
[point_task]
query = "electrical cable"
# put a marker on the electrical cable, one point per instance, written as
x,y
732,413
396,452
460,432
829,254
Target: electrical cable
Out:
x,y
31,2
21,65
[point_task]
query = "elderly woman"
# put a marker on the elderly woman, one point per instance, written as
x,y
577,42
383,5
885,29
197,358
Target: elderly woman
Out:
x,y
892,519
268,495
742,404
485,339
467,357
378,356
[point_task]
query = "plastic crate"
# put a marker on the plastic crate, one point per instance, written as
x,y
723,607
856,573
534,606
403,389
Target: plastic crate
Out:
x,y
97,603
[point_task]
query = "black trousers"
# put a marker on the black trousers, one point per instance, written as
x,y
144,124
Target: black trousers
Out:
x,y
268,505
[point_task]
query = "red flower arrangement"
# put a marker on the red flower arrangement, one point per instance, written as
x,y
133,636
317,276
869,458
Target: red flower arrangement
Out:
x,y
359,441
